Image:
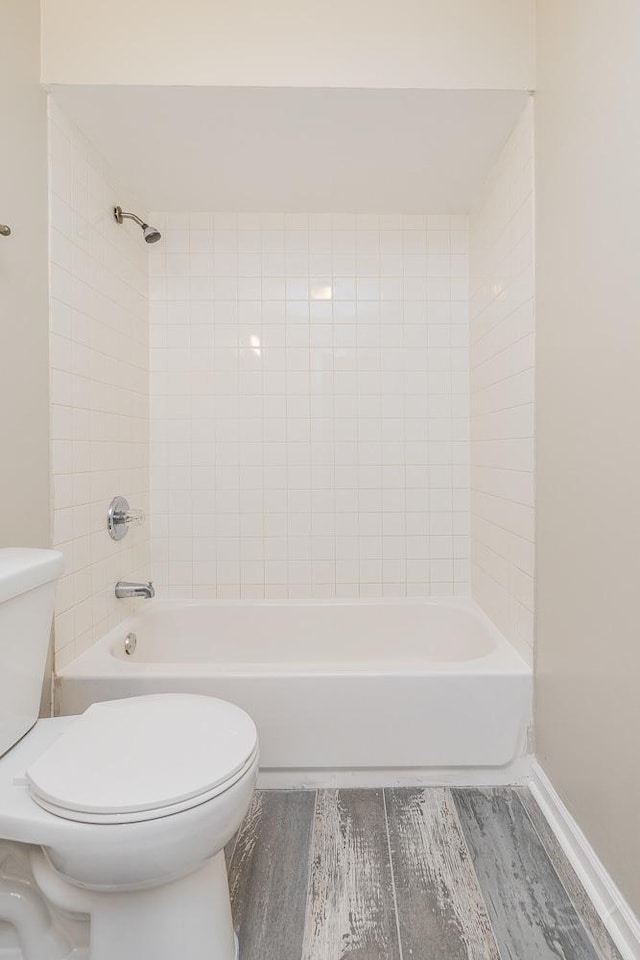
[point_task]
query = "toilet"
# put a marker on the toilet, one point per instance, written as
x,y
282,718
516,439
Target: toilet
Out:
x,y
122,813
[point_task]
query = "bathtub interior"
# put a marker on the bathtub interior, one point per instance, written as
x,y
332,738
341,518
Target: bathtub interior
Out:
x,y
363,633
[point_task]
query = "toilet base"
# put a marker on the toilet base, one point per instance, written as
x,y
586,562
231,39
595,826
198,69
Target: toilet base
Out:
x,y
189,918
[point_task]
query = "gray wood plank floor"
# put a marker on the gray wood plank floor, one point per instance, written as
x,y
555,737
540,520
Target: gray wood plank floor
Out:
x,y
441,912
407,874
350,907
569,879
268,875
531,913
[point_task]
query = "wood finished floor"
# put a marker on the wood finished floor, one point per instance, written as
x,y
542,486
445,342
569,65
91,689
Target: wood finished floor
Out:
x,y
407,874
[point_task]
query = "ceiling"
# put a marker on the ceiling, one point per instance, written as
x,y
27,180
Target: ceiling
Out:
x,y
295,150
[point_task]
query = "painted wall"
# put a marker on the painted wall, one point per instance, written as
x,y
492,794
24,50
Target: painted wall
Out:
x,y
99,387
461,44
309,403
24,343
502,322
588,421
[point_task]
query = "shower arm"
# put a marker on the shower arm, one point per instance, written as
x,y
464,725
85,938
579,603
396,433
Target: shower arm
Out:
x,y
151,234
121,215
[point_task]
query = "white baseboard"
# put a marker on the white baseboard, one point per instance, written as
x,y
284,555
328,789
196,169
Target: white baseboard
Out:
x,y
616,914
300,778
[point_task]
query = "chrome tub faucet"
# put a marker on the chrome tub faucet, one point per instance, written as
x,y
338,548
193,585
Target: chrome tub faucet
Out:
x,y
124,589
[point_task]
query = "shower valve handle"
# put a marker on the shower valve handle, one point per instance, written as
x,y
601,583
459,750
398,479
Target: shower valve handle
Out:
x,y
120,516
133,516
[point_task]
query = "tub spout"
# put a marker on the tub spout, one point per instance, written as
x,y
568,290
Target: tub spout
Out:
x,y
125,589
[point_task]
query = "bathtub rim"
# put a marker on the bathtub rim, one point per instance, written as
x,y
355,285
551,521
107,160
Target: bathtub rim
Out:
x,y
505,658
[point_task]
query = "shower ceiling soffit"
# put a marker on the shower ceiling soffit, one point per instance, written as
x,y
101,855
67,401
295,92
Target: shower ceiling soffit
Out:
x,y
295,150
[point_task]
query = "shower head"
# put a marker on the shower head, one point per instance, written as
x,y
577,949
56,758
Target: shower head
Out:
x,y
150,234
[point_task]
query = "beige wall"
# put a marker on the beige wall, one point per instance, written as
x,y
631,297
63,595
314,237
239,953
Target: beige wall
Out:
x,y
24,375
24,338
588,421
486,44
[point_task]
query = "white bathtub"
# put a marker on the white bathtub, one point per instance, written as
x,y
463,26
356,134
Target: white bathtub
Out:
x,y
358,692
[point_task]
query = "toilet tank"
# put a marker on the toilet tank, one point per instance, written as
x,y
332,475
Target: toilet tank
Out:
x,y
27,590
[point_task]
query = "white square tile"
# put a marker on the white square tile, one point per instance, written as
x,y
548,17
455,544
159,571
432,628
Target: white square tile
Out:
x,y
501,358
249,343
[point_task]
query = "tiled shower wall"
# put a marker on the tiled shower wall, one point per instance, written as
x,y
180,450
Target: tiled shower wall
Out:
x,y
309,405
99,387
502,389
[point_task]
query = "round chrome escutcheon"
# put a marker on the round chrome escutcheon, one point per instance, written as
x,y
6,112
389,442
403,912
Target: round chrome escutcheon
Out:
x,y
130,642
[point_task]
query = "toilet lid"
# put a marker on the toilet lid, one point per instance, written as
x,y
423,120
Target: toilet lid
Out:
x,y
131,758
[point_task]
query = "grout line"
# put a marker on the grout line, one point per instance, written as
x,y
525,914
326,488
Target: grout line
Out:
x,y
393,879
492,356
482,466
499,526
494,383
493,410
508,500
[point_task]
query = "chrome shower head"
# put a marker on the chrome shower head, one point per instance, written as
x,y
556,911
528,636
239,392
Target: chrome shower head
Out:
x,y
150,234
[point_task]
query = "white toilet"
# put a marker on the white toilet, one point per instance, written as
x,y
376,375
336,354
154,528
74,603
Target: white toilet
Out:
x,y
123,812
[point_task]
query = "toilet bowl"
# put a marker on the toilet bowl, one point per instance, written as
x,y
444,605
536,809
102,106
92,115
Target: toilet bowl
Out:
x,y
124,810
127,809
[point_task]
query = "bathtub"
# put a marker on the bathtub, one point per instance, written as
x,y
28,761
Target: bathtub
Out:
x,y
374,692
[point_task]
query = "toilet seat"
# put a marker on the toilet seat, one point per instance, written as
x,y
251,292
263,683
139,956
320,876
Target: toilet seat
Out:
x,y
127,761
